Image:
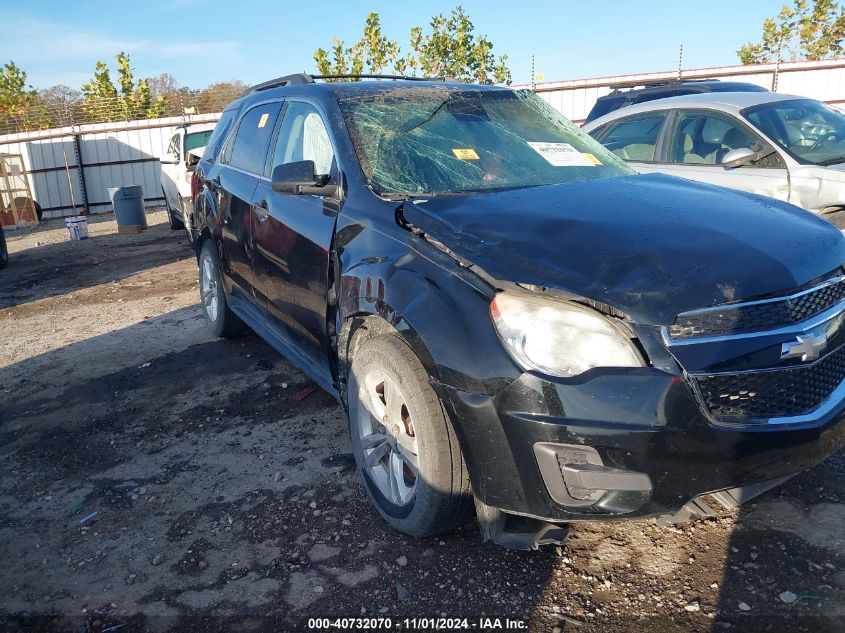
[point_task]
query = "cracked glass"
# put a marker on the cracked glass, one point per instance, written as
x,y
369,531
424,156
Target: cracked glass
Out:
x,y
446,139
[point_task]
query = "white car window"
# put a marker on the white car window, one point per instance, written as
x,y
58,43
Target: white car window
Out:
x,y
634,138
704,138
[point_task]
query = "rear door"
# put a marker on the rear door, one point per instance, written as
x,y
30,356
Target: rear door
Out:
x,y
293,235
699,141
241,167
170,171
635,139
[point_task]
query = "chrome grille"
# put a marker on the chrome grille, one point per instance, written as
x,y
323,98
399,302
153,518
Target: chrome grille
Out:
x,y
737,361
759,315
773,393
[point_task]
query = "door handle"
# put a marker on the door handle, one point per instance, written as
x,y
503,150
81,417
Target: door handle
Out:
x,y
261,210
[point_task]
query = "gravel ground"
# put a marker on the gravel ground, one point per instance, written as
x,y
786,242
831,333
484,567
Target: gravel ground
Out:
x,y
226,496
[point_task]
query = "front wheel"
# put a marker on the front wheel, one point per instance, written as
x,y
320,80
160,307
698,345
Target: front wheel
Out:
x,y
404,444
220,319
4,251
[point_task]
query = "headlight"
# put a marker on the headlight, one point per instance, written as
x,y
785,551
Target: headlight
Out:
x,y
559,338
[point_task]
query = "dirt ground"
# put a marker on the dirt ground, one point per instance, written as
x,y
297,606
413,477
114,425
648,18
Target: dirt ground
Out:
x,y
226,496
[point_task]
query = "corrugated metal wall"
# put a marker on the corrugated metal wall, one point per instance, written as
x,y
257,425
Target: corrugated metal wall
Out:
x,y
128,152
823,80
110,154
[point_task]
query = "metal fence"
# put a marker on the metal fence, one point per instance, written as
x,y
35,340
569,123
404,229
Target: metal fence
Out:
x,y
823,80
46,113
71,168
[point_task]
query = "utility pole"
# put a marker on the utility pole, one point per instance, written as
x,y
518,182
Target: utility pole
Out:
x,y
680,60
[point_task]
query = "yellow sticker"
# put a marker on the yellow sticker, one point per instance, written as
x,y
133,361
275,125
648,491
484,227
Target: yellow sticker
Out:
x,y
263,120
592,159
465,154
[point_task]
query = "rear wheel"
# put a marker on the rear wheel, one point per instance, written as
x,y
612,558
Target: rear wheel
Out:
x,y
188,223
220,319
173,220
404,444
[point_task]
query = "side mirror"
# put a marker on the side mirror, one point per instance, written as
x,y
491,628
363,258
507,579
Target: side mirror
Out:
x,y
739,157
298,178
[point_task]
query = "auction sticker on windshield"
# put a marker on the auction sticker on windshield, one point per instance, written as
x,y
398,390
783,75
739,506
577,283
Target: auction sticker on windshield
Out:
x,y
562,155
465,154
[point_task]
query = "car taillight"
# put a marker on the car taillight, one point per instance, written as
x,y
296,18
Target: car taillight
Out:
x,y
195,184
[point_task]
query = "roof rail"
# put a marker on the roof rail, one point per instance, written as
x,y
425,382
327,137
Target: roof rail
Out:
x,y
303,78
287,80
394,77
658,82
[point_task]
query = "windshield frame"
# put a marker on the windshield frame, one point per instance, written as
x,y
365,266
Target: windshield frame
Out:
x,y
773,104
345,102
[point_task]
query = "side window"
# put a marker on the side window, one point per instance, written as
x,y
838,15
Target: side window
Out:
x,y
248,150
303,136
175,149
635,138
218,136
703,138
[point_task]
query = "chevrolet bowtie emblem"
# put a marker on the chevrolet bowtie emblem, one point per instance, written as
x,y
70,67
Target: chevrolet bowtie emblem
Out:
x,y
806,347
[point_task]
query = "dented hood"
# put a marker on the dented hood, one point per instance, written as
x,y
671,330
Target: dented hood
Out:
x,y
650,245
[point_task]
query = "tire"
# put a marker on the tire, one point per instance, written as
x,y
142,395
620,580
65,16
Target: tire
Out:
x,y
22,203
220,319
175,223
429,490
4,251
189,231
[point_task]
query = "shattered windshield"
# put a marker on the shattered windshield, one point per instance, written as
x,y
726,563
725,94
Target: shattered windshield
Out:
x,y
445,139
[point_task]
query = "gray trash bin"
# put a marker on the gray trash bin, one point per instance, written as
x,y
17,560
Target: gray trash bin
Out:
x,y
128,204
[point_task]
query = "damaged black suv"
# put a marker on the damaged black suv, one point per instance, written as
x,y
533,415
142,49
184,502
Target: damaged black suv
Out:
x,y
516,323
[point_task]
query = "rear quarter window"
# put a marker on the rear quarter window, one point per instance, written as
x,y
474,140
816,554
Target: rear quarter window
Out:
x,y
218,136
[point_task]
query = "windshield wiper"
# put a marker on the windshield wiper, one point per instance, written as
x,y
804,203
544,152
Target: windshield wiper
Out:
x,y
831,161
405,130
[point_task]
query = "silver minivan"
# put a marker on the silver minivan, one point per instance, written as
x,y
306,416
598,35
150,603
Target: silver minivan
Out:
x,y
781,146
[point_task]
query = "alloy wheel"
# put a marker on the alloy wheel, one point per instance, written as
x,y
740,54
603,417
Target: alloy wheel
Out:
x,y
387,438
209,288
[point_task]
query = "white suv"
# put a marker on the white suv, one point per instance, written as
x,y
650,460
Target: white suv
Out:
x,y
781,146
177,168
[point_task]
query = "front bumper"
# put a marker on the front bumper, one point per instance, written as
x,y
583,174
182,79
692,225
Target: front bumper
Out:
x,y
642,422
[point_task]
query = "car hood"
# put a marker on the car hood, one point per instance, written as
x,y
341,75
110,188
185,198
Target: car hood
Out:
x,y
650,245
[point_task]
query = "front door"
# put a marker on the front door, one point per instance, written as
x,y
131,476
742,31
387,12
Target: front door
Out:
x,y
241,168
293,235
700,141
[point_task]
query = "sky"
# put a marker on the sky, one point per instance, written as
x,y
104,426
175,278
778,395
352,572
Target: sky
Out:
x,y
201,42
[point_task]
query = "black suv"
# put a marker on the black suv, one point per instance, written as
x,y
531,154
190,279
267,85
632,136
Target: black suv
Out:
x,y
516,323
620,98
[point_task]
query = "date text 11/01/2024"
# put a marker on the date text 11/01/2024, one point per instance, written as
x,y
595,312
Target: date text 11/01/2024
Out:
x,y
416,624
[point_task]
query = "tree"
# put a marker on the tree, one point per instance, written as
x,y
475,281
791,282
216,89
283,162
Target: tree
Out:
x,y
217,96
61,103
17,98
799,32
103,101
451,49
165,84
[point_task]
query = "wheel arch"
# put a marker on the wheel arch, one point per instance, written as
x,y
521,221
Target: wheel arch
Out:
x,y
440,313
